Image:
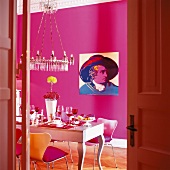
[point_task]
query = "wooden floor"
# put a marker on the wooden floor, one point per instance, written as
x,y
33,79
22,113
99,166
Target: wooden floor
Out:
x,y
107,160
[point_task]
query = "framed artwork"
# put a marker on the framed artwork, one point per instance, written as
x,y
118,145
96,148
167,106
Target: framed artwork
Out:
x,y
99,73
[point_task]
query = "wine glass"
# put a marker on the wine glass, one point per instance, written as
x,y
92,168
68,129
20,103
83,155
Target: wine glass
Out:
x,y
32,107
74,111
60,109
69,113
37,109
32,112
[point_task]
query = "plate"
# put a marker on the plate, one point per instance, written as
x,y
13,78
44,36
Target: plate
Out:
x,y
87,122
57,121
56,125
59,125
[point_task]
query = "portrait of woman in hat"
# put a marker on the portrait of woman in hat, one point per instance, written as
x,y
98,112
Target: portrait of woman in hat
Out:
x,y
96,73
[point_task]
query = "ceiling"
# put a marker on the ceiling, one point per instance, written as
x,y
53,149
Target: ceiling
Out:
x,y
35,4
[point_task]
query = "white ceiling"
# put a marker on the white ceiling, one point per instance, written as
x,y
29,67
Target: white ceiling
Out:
x,y
35,4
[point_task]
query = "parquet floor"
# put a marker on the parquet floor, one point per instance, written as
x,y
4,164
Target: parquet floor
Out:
x,y
107,160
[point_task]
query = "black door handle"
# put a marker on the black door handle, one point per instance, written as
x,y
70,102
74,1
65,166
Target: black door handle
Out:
x,y
131,127
132,130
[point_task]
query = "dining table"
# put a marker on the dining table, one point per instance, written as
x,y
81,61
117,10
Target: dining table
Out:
x,y
80,134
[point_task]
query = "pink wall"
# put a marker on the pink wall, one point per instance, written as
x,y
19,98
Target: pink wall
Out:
x,y
88,29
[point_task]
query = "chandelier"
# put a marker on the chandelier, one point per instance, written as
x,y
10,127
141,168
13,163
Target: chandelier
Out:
x,y
51,63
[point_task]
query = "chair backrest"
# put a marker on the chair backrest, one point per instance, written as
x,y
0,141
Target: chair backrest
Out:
x,y
18,134
38,144
109,126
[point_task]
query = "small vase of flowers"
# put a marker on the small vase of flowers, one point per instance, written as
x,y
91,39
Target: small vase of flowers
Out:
x,y
51,99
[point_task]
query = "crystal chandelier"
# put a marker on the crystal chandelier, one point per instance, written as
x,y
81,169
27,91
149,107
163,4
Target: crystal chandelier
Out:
x,y
52,63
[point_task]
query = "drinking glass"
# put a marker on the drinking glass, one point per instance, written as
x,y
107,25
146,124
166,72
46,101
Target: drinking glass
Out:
x,y
32,107
60,109
69,113
74,111
32,112
37,109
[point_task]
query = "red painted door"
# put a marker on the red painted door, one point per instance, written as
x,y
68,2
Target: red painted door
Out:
x,y
148,85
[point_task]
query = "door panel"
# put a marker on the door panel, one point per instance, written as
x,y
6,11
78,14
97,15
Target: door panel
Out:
x,y
149,46
149,130
148,84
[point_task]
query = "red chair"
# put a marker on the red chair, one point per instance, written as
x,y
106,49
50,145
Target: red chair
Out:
x,y
18,146
109,128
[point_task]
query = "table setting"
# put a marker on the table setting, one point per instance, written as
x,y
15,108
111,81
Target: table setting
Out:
x,y
72,120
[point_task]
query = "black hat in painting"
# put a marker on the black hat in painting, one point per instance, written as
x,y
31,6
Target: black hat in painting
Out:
x,y
108,63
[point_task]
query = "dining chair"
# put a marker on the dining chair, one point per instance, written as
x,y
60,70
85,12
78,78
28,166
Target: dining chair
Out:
x,y
18,146
71,157
109,128
40,150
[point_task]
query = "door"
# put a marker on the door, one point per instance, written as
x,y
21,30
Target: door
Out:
x,y
7,84
148,85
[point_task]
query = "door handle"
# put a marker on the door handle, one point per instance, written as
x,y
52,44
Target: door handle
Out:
x,y
132,130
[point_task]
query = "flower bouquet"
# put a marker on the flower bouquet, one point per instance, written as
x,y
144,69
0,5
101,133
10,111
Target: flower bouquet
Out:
x,y
51,96
51,99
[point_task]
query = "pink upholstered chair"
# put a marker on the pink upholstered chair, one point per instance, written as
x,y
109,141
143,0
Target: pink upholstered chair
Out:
x,y
40,150
109,128
18,146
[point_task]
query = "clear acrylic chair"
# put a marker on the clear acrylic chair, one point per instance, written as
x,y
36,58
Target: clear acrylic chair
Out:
x,y
109,128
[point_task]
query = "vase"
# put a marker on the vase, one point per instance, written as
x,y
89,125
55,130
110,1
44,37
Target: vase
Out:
x,y
50,108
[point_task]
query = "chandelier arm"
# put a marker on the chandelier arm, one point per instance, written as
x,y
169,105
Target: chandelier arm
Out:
x,y
44,30
38,33
51,33
59,35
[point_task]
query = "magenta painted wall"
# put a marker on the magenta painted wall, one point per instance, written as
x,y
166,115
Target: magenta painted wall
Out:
x,y
88,29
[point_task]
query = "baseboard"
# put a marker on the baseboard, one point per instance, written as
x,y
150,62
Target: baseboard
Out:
x,y
120,143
